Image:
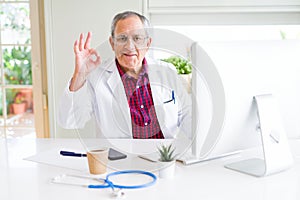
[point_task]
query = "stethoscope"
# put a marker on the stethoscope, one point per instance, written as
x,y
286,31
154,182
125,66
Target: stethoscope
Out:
x,y
106,183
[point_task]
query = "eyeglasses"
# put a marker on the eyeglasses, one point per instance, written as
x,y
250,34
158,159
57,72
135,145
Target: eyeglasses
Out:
x,y
138,40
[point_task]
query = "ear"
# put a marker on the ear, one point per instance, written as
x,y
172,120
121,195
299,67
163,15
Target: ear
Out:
x,y
112,44
149,42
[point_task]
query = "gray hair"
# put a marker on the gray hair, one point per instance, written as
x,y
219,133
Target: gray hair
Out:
x,y
125,15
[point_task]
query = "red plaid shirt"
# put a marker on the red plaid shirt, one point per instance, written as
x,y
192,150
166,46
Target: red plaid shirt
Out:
x,y
139,96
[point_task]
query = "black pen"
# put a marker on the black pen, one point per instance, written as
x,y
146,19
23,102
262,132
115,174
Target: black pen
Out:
x,y
69,153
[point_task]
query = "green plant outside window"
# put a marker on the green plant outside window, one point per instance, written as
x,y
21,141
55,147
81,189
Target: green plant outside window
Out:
x,y
17,65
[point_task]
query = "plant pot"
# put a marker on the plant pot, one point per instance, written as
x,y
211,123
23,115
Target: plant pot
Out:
x,y
19,108
167,169
186,81
27,92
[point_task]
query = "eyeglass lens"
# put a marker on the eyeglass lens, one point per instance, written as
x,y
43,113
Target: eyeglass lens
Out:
x,y
137,39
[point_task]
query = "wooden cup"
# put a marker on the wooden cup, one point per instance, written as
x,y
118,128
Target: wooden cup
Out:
x,y
97,160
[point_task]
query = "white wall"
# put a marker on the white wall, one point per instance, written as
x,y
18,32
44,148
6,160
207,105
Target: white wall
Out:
x,y
64,21
223,12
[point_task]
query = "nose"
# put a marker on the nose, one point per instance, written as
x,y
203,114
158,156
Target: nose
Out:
x,y
130,43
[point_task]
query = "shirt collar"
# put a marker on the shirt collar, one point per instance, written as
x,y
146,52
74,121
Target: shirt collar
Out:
x,y
125,76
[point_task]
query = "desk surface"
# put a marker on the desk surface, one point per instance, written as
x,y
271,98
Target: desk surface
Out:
x,y
22,179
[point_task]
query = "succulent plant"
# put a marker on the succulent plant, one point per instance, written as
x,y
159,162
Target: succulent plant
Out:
x,y
166,153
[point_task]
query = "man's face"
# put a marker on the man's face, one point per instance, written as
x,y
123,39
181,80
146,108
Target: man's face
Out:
x,y
130,43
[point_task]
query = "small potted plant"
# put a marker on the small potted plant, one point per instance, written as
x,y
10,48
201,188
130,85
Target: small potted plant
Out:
x,y
167,161
19,105
184,69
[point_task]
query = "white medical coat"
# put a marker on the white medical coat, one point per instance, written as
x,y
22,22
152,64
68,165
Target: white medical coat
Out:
x,y
103,96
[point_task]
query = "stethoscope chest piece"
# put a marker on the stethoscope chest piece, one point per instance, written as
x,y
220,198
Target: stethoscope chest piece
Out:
x,y
118,193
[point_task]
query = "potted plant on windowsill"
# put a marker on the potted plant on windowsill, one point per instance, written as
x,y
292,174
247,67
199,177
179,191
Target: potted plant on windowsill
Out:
x,y
167,161
184,69
19,105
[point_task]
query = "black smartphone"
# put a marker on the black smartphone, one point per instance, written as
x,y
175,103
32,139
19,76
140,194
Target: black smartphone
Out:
x,y
115,155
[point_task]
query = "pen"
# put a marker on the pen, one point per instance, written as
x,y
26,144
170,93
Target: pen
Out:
x,y
69,153
173,98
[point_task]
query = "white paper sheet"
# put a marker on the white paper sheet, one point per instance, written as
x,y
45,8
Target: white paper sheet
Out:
x,y
53,157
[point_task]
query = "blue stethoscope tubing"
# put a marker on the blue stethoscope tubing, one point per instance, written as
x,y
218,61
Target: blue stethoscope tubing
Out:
x,y
109,184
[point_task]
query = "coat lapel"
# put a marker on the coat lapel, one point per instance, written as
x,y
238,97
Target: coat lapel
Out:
x,y
120,107
158,90
161,83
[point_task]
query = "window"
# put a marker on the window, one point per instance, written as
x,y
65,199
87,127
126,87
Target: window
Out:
x,y
16,98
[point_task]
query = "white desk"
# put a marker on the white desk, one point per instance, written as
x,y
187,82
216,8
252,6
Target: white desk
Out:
x,y
21,179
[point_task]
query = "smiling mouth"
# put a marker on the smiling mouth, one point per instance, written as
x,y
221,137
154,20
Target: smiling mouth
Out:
x,y
129,54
